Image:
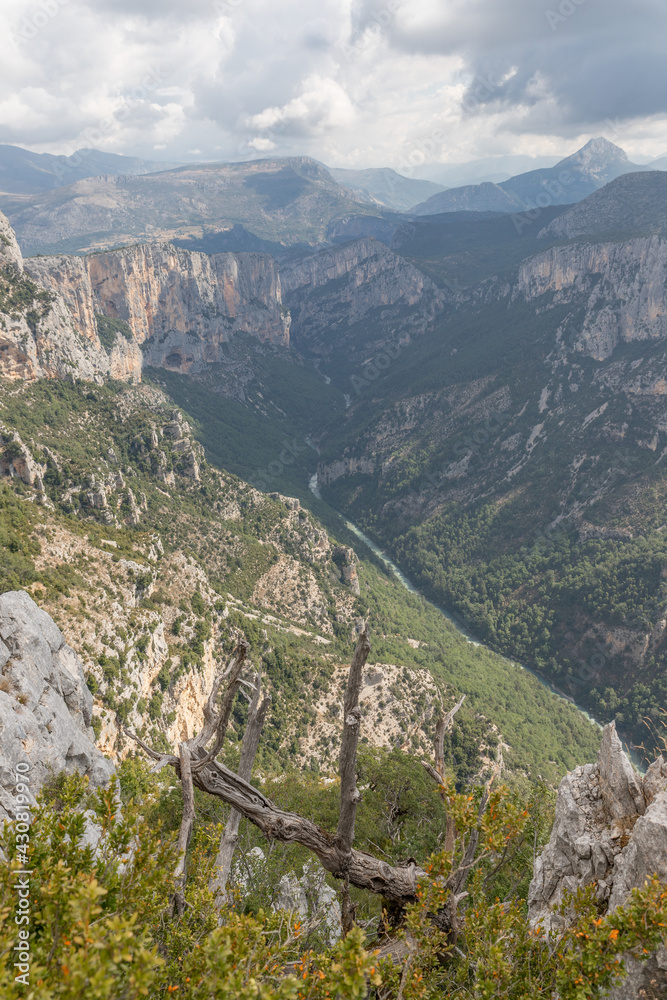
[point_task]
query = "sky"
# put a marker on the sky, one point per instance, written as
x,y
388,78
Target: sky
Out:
x,y
355,83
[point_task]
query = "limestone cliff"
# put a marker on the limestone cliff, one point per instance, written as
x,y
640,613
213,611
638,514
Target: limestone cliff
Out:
x,y
109,314
621,288
37,334
10,252
180,307
45,705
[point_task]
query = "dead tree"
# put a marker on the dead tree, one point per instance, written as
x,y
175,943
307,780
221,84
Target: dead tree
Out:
x,y
349,793
215,728
197,767
438,773
230,835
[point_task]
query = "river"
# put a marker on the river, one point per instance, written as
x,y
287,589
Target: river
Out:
x,y
314,489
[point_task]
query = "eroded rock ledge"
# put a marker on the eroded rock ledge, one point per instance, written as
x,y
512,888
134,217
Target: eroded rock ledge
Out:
x,y
610,830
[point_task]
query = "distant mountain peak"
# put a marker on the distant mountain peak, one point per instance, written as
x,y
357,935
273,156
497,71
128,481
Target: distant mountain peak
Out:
x,y
597,152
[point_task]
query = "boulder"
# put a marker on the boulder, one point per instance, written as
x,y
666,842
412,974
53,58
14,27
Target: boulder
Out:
x,y
45,704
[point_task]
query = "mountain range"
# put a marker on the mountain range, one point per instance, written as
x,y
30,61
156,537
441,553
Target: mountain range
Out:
x,y
25,172
284,206
570,180
283,200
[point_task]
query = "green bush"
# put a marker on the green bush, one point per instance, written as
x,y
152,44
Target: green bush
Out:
x,y
109,328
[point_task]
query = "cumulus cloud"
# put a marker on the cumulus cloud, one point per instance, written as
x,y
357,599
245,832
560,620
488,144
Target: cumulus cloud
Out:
x,y
322,106
356,82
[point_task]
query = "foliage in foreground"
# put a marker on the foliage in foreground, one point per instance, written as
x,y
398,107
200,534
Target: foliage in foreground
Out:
x,y
100,924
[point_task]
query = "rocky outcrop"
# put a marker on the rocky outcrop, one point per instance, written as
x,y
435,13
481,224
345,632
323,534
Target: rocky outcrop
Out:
x,y
16,459
328,473
362,284
346,560
10,252
621,288
610,830
45,704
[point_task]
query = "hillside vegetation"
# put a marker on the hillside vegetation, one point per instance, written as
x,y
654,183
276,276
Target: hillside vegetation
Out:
x,y
152,561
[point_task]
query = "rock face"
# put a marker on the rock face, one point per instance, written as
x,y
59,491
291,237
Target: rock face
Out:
x,y
45,704
361,285
621,288
346,560
176,309
610,830
10,252
37,335
16,460
180,306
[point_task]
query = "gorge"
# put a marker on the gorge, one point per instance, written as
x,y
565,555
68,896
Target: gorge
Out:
x,y
202,449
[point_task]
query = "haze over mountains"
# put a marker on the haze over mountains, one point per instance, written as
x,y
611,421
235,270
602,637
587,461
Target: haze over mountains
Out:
x,y
387,187
97,201
25,172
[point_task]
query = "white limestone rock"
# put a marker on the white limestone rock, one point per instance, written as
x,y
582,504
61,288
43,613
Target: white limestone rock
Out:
x,y
45,704
10,252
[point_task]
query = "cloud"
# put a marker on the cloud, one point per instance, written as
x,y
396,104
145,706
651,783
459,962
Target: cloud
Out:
x,y
356,82
261,145
580,61
321,106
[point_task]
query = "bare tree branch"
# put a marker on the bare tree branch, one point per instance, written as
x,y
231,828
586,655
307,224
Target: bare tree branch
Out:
x,y
216,725
431,771
223,863
443,725
348,910
185,832
349,793
161,757
198,768
398,884
448,918
192,755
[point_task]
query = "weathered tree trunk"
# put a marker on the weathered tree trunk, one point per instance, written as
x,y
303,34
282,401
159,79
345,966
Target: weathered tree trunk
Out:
x,y
365,871
442,727
349,793
215,724
185,832
230,835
